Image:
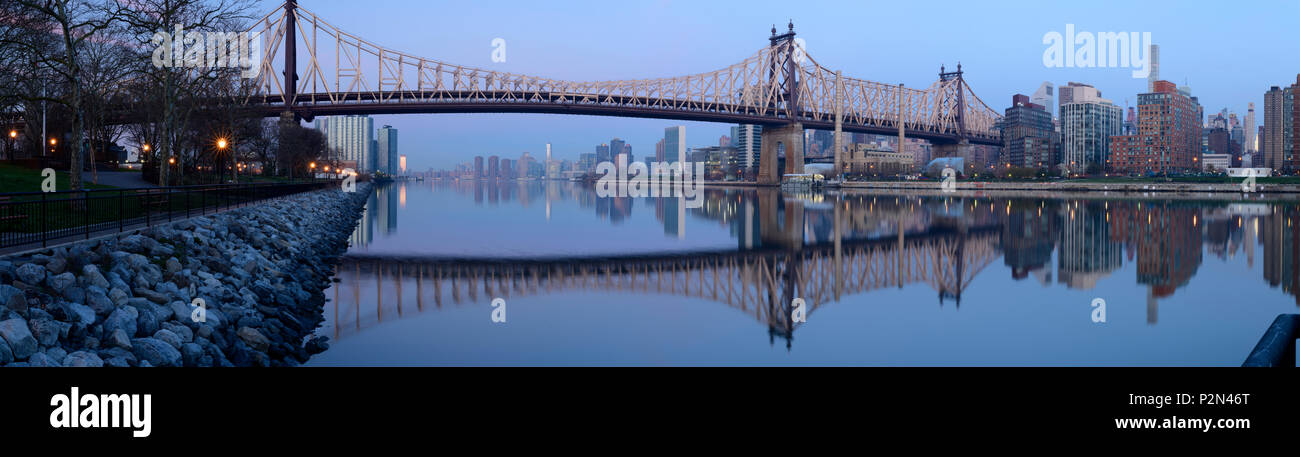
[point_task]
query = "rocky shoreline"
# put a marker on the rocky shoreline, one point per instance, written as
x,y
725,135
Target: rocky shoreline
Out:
x,y
258,272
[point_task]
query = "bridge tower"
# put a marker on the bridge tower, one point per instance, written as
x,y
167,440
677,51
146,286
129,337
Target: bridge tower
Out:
x,y
290,61
783,74
961,148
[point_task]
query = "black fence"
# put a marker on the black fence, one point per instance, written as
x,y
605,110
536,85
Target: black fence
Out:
x,y
37,219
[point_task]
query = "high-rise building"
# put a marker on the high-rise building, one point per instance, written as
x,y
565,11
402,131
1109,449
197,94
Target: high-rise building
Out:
x,y
749,143
1044,96
478,167
602,153
1027,133
659,150
1087,124
1153,54
1168,137
1250,145
1280,124
386,156
352,137
1074,91
675,144
402,165
493,167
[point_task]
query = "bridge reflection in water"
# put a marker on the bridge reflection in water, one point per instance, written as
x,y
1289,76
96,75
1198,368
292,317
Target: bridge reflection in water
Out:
x,y
872,243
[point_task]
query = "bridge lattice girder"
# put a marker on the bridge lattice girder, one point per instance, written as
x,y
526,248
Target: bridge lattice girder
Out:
x,y
346,73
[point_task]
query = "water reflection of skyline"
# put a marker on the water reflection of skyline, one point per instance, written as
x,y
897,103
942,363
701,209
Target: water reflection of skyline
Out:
x,y
1089,238
859,250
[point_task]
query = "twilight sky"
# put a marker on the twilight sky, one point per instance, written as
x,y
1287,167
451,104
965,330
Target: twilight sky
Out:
x,y
1229,53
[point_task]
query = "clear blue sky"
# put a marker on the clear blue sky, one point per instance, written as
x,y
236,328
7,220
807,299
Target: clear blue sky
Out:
x,y
1228,52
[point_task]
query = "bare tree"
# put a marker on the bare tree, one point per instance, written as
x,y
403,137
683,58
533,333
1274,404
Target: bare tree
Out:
x,y
74,22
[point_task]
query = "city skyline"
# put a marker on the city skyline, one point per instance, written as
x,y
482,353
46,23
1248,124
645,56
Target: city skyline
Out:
x,y
1005,60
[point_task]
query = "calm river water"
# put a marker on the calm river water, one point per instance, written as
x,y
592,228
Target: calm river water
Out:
x,y
884,279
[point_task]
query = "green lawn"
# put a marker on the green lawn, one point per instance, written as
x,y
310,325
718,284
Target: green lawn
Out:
x,y
18,179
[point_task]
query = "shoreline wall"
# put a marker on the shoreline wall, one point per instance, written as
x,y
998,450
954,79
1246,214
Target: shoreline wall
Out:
x,y
130,300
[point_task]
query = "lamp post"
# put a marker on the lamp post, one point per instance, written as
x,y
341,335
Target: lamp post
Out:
x,y
222,145
9,147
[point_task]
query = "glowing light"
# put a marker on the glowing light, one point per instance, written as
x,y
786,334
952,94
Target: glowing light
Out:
x,y
221,143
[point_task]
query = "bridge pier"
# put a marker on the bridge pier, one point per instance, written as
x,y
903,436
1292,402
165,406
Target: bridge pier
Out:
x,y
789,136
961,149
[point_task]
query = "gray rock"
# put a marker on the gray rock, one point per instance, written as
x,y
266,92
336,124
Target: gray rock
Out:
x,y
98,300
118,296
182,311
57,265
118,338
6,354
182,331
123,318
31,273
83,359
167,336
45,330
173,266
17,302
79,313
57,353
61,282
7,291
137,243
119,362
191,354
19,337
156,352
93,277
75,294
253,338
39,359
150,295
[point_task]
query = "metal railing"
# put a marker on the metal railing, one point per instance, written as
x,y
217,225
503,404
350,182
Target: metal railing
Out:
x,y
38,219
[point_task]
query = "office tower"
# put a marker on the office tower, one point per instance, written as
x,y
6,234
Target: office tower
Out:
x,y
1250,145
1087,123
493,167
675,144
548,161
478,167
1043,97
659,150
1277,116
352,137
371,162
1153,53
748,139
1074,91
386,156
616,147
1130,122
1027,134
1168,137
602,153
587,162
402,164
